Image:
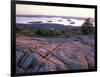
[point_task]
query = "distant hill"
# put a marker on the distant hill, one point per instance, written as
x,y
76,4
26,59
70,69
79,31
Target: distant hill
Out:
x,y
46,26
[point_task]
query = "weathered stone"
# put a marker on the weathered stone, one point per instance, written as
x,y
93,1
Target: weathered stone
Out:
x,y
37,67
30,60
47,66
41,51
19,70
91,62
73,59
51,47
57,62
19,56
54,54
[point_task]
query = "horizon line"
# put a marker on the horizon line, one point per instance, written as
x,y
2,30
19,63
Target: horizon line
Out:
x,y
55,16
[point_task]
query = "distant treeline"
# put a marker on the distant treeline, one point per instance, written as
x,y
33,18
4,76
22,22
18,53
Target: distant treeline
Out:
x,y
87,29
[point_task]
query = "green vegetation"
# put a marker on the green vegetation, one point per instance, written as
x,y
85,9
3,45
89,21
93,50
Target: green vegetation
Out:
x,y
87,27
54,33
48,32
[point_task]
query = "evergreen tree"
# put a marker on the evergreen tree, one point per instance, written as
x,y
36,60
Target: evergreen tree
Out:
x,y
87,27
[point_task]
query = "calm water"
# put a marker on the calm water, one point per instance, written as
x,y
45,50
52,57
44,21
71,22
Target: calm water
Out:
x,y
56,20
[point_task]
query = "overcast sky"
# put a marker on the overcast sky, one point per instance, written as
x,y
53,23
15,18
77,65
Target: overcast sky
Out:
x,y
22,9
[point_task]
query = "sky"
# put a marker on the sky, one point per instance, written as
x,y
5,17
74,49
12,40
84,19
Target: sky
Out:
x,y
22,9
